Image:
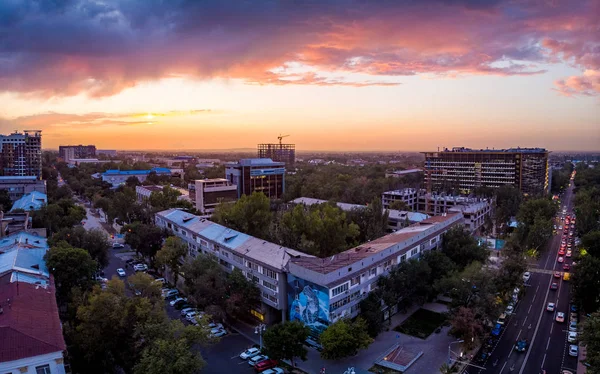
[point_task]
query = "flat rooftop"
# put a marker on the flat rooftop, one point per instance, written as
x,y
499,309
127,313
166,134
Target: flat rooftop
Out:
x,y
353,255
487,150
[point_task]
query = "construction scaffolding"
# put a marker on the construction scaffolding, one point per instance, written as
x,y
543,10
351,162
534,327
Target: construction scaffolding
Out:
x,y
278,152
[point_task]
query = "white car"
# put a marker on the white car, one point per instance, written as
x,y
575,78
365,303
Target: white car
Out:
x,y
121,272
160,280
550,307
256,359
117,245
176,300
573,326
140,267
213,325
273,371
249,353
526,276
217,333
572,337
185,311
509,309
573,350
191,316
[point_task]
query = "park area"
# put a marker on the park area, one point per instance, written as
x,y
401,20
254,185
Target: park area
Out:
x,y
421,323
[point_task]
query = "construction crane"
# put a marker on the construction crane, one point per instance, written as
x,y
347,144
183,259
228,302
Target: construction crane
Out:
x,y
281,137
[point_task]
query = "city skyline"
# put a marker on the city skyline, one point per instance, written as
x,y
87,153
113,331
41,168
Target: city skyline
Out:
x,y
349,76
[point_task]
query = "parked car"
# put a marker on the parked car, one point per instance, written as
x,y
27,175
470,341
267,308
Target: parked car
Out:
x,y
274,370
217,333
313,343
572,337
170,294
509,309
185,311
526,276
140,267
573,326
121,272
573,350
256,359
117,245
181,301
249,353
264,365
213,325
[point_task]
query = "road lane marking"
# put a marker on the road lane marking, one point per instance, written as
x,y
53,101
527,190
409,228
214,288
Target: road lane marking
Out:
x,y
525,320
544,360
547,345
551,328
503,367
529,310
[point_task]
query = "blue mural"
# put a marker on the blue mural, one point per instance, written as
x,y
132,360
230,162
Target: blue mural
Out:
x,y
308,303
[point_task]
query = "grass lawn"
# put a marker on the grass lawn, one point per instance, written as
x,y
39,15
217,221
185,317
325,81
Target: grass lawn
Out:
x,y
421,323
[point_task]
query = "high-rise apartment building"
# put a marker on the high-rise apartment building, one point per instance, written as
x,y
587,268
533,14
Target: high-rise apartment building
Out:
x,y
67,152
257,175
278,152
465,169
21,154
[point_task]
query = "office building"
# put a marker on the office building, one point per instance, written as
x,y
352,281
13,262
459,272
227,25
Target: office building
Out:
x,y
31,339
119,177
260,261
464,169
257,175
285,153
208,193
19,186
323,290
21,154
67,152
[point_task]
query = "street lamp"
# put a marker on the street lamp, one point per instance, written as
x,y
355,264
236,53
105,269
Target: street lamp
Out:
x,y
259,330
449,351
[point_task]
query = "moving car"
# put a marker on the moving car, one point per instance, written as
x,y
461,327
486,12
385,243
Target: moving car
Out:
x,y
566,267
557,274
121,272
573,350
554,286
561,252
569,253
561,259
256,359
249,353
550,307
117,245
572,337
560,317
521,345
526,276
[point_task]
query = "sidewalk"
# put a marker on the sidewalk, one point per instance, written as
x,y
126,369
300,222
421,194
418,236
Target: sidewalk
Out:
x,y
434,348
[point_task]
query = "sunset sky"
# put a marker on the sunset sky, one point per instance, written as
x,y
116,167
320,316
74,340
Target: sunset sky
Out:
x,y
335,75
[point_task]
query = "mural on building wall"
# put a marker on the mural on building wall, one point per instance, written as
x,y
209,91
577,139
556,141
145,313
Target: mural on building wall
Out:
x,y
308,303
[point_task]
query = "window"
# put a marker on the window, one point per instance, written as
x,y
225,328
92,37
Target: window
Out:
x,y
414,251
355,281
44,369
373,272
339,289
270,286
270,273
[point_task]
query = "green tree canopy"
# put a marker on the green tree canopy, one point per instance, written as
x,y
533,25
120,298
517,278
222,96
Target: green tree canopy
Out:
x,y
370,311
462,248
171,254
586,282
285,341
166,199
372,220
95,241
205,281
251,214
591,243
242,294
466,326
590,336
344,338
5,201
71,268
144,238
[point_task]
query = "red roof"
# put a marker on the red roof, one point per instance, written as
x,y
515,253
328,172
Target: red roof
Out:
x,y
29,323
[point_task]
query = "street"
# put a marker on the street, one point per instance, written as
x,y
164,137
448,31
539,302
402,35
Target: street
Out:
x,y
547,339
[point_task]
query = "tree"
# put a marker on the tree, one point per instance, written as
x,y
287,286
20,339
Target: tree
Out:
x,y
590,336
448,369
145,285
170,255
132,182
143,238
465,326
462,248
250,215
440,264
372,220
5,201
205,281
591,243
166,199
169,357
94,241
285,341
62,214
344,338
370,310
586,283
400,205
71,268
103,204
242,294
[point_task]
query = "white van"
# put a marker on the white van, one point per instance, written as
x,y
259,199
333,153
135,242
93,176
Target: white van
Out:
x,y
502,319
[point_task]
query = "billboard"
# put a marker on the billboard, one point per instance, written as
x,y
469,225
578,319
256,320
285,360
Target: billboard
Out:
x,y
308,303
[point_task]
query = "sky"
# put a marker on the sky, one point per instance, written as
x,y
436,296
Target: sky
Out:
x,y
335,75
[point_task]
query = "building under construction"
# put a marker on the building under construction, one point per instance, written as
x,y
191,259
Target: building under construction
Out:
x,y
278,152
464,169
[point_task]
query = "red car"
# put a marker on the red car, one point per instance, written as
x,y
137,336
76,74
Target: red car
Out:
x,y
264,365
566,267
557,274
561,251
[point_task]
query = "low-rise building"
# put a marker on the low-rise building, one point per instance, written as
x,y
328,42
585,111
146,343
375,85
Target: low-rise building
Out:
x,y
106,152
31,339
323,290
19,186
31,201
474,214
208,193
409,196
143,192
262,262
119,177
401,173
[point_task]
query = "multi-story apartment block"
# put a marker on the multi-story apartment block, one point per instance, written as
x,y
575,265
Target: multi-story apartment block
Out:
x,y
474,214
465,169
263,262
19,186
21,154
257,175
323,290
409,196
208,193
67,152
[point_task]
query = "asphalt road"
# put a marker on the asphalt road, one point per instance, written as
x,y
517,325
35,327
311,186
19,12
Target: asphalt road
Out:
x,y
548,347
